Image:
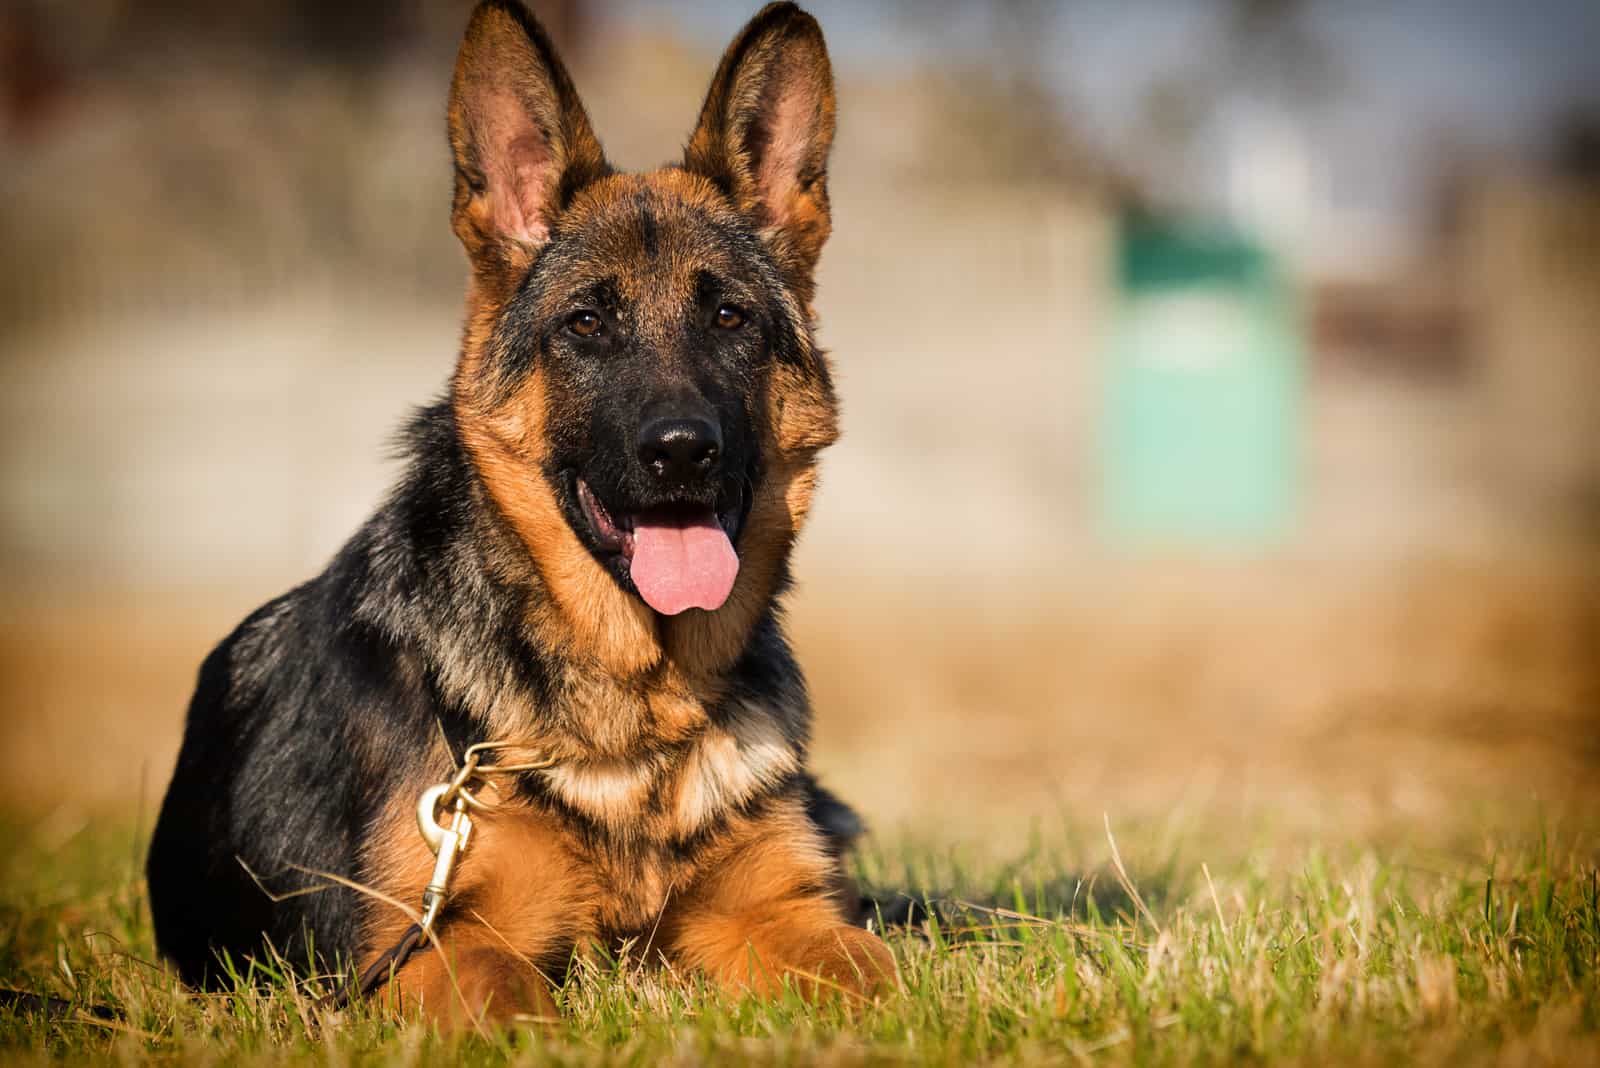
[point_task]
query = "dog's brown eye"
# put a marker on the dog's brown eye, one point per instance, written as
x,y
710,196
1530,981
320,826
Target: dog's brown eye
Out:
x,y
585,324
729,317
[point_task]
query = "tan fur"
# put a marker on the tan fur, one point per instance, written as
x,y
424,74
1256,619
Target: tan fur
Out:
x,y
610,792
754,909
516,128
725,768
689,780
589,617
756,916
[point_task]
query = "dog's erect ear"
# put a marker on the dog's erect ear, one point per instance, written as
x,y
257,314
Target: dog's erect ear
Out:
x,y
765,131
521,140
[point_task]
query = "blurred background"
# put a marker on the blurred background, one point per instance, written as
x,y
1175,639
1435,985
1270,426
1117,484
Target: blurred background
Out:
x,y
1269,327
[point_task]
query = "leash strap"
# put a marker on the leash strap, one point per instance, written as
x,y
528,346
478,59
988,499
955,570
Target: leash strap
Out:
x,y
51,1008
379,971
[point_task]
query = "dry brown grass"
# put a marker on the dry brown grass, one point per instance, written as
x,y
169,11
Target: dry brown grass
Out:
x,y
1336,699
1327,698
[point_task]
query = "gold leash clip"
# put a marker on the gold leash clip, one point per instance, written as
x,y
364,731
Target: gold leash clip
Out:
x,y
449,842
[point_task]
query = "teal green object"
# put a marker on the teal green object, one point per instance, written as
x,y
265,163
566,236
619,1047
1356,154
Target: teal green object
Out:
x,y
1200,443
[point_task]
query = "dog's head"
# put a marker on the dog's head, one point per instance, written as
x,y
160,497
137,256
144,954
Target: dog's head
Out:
x,y
638,385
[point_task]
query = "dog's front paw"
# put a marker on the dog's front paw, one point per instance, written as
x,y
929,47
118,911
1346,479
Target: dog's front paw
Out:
x,y
850,959
474,986
820,958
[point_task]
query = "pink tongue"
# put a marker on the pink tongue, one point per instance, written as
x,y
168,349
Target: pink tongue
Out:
x,y
684,563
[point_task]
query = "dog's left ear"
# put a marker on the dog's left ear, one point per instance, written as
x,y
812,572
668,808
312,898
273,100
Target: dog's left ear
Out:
x,y
520,137
765,132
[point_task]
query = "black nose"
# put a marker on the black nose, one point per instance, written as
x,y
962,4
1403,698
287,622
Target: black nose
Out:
x,y
680,451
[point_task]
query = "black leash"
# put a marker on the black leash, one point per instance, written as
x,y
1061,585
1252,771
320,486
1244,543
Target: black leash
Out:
x,y
51,1008
380,970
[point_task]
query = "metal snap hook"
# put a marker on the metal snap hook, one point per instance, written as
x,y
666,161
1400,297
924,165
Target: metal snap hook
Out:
x,y
433,832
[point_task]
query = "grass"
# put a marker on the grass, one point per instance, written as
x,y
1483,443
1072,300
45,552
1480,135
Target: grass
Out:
x,y
1483,950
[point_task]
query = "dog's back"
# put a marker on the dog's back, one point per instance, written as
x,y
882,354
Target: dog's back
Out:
x,y
269,796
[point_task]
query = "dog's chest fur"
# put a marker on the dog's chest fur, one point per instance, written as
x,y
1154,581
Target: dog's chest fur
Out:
x,y
648,777
677,792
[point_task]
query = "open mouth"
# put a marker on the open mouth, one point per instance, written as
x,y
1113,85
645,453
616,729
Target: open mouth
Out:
x,y
678,556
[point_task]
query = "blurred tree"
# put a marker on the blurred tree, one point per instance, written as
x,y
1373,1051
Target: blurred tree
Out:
x,y
1575,151
994,114
107,37
31,82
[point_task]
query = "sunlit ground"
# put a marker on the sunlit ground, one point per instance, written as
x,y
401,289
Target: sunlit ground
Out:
x,y
1355,812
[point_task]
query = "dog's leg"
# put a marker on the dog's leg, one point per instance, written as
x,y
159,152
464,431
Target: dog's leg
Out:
x,y
765,910
469,980
520,904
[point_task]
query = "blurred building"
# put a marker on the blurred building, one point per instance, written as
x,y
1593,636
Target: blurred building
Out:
x,y
1531,289
229,274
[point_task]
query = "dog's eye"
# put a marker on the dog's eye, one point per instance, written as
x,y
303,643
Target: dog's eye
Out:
x,y
729,317
585,323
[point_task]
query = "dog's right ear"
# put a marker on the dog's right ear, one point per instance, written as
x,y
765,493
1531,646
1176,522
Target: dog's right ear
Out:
x,y
520,137
765,131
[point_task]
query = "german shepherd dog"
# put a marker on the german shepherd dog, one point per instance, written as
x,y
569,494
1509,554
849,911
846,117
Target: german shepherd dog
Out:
x,y
582,562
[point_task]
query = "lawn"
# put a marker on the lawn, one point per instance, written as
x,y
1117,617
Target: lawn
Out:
x,y
1190,939
1359,824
